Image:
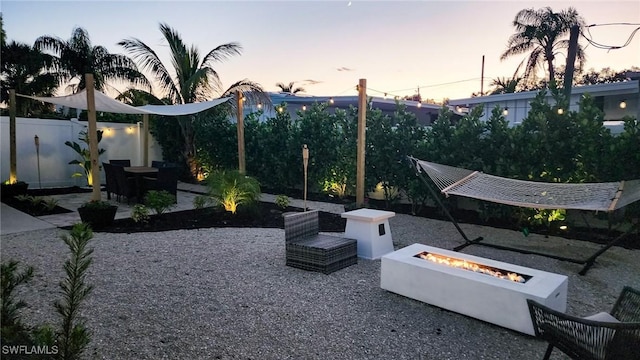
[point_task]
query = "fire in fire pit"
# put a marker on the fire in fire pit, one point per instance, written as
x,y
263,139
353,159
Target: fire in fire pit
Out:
x,y
466,265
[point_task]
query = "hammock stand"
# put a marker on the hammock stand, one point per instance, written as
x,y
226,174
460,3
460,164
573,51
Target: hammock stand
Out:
x,y
588,262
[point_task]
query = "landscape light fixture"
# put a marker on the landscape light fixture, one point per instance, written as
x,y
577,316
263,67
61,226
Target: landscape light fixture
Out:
x,y
623,104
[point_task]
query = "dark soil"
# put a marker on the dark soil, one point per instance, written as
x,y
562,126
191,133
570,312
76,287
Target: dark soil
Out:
x,y
268,215
35,208
263,215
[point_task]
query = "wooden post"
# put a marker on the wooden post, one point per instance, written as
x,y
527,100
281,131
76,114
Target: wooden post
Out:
x,y
93,138
362,125
13,164
145,140
241,164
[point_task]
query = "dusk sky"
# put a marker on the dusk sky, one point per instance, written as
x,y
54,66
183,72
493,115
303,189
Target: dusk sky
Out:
x,y
397,46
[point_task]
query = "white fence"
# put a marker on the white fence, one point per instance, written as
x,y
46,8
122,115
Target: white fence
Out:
x,y
121,141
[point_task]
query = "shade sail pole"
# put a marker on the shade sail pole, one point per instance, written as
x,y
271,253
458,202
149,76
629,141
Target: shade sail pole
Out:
x,y
93,138
145,140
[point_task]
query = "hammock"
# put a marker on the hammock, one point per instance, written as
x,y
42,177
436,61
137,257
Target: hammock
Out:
x,y
607,196
586,196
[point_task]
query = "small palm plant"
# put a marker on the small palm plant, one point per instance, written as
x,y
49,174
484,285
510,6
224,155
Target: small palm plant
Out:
x,y
85,154
232,188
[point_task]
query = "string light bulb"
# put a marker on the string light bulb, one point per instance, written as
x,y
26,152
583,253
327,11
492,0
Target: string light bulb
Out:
x,y
560,111
505,112
623,104
259,105
304,107
280,109
330,100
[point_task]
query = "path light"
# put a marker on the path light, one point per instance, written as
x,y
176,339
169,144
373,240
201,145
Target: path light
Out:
x,y
305,163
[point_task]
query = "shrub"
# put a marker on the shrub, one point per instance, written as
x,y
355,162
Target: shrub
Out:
x,y
13,330
74,337
201,201
282,201
231,189
49,203
159,201
140,213
70,340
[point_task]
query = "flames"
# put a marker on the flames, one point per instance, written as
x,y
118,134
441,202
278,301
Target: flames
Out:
x,y
464,264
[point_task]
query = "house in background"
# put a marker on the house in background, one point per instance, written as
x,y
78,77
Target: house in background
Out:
x,y
425,113
616,100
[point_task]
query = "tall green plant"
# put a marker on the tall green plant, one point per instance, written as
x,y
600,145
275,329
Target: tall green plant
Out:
x,y
69,340
85,155
74,336
13,330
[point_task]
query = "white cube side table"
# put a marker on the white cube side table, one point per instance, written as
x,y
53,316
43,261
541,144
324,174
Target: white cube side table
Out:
x,y
371,229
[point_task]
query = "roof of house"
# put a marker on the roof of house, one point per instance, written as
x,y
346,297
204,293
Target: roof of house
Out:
x,y
619,88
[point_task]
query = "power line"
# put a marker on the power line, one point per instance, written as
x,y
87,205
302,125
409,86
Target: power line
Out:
x,y
609,47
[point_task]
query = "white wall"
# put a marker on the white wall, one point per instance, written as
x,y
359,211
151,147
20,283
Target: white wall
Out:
x,y
121,141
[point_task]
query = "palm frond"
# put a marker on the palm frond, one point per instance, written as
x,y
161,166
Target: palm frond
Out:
x,y
149,61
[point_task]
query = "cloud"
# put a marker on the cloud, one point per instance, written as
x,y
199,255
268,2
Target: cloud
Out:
x,y
311,82
344,69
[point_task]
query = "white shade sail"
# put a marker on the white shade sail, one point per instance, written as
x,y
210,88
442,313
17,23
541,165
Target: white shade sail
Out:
x,y
107,104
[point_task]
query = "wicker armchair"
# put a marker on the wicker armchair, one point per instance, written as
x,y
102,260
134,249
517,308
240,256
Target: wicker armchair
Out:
x,y
603,336
308,250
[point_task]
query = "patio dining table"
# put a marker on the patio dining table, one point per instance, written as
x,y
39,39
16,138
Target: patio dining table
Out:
x,y
139,172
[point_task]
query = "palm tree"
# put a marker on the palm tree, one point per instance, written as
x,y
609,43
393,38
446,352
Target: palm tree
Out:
x,y
193,79
77,56
23,70
539,33
289,88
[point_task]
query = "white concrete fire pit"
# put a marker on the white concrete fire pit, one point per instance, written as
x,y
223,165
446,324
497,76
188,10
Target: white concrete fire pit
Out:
x,y
474,288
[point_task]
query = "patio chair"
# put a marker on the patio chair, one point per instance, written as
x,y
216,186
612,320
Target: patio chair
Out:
x,y
124,162
167,180
126,186
111,186
157,164
603,336
308,250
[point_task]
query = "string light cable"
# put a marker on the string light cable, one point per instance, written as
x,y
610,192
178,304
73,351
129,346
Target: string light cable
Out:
x,y
598,45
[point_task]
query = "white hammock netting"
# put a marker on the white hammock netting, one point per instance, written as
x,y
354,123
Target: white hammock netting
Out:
x,y
607,196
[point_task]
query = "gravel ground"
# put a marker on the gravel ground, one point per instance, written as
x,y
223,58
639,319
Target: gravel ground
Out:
x,y
225,293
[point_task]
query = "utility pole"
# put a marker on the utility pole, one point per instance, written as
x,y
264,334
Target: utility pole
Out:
x,y
571,61
482,78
